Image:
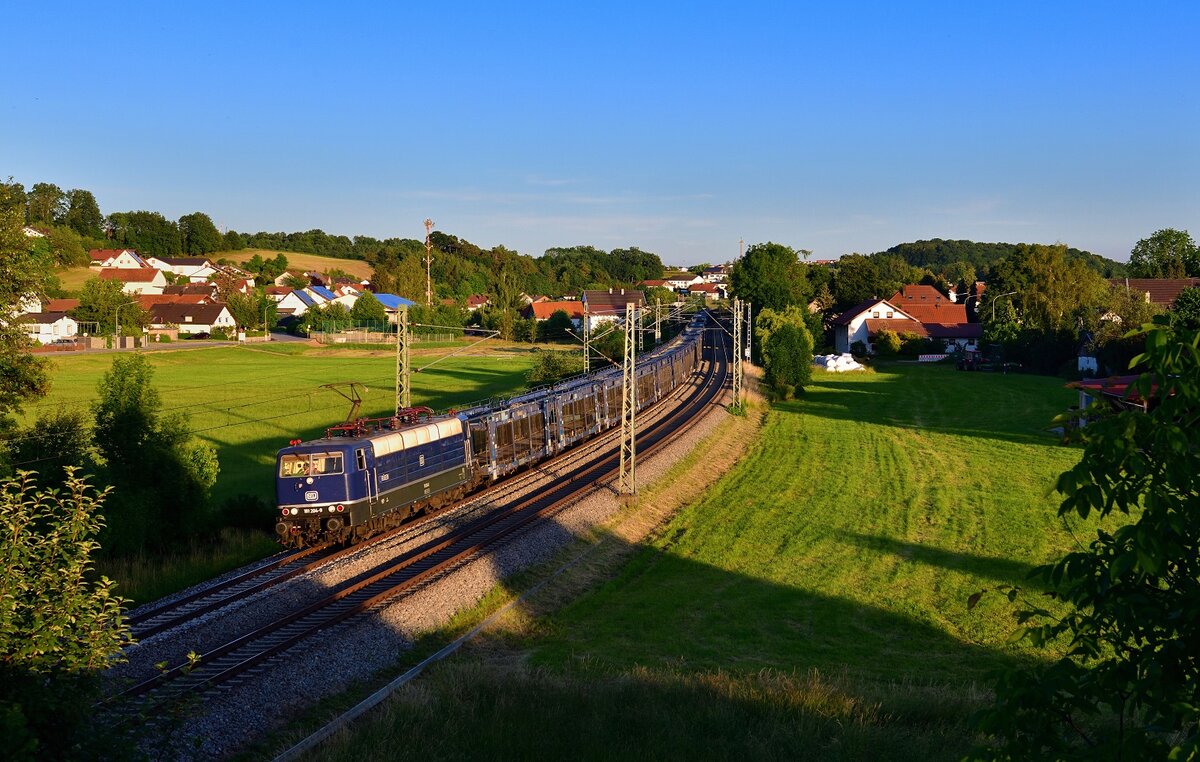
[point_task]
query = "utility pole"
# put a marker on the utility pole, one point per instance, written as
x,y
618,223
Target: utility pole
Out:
x,y
403,375
737,351
428,262
658,323
640,335
626,479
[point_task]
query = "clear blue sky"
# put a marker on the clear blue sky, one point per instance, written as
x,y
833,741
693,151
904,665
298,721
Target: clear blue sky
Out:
x,y
679,128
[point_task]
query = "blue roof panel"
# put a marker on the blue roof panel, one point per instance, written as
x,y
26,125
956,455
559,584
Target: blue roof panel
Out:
x,y
322,291
391,301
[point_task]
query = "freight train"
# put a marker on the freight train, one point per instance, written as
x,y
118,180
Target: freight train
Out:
x,y
367,476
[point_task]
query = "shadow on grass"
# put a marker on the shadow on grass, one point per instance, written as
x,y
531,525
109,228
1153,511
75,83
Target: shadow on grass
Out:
x,y
1012,408
1001,570
677,659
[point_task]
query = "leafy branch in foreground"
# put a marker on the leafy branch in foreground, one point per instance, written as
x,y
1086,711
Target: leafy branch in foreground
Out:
x,y
1128,686
59,627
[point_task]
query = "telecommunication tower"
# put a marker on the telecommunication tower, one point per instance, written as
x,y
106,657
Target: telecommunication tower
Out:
x,y
428,263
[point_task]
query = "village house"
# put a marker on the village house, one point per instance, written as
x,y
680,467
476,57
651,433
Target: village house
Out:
x,y
710,291
143,280
681,281
919,310
654,283
191,318
295,302
48,327
541,311
609,306
194,269
716,273
1161,292
124,259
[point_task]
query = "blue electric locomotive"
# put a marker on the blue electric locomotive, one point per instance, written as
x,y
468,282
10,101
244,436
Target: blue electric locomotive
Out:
x,y
372,474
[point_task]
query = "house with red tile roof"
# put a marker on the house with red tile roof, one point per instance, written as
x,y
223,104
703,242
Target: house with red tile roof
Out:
x,y
143,280
710,291
928,319
1160,292
120,258
544,310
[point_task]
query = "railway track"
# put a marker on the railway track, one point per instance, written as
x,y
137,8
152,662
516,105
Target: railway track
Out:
x,y
161,617
243,656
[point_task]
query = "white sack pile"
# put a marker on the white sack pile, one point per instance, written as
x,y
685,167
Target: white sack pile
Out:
x,y
837,363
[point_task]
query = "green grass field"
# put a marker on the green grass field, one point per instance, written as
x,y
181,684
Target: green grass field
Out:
x,y
249,401
811,606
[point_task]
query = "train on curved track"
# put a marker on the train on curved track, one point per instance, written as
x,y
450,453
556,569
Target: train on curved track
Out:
x,y
364,477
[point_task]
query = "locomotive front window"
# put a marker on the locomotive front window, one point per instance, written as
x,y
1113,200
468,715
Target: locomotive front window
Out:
x,y
318,464
327,463
294,465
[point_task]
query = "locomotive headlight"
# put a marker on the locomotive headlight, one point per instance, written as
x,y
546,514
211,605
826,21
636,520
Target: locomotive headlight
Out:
x,y
295,511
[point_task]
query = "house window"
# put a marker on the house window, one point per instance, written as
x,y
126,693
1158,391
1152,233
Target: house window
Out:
x,y
889,316
875,314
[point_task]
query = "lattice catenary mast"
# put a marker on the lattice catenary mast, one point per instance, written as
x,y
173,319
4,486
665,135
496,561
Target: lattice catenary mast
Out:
x,y
737,350
403,371
626,474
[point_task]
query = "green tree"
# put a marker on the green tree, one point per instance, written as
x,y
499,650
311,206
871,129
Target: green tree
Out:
x,y
368,309
856,280
22,274
161,476
792,372
60,437
83,214
556,327
1185,310
1168,253
551,366
198,234
60,626
1128,686
770,276
47,204
66,247
1053,292
253,309
149,233
99,301
233,241
788,356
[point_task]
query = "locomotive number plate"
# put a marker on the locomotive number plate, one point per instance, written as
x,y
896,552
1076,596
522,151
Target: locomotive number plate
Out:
x,y
311,495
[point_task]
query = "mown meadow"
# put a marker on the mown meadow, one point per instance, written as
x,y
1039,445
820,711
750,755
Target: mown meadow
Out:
x,y
813,605
249,401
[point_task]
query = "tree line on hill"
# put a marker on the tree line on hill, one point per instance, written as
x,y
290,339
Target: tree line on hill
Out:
x,y
1042,302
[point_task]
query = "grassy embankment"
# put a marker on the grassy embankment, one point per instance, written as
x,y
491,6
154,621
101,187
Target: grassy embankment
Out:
x,y
249,401
812,605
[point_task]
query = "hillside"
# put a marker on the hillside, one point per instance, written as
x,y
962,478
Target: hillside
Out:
x,y
298,261
936,253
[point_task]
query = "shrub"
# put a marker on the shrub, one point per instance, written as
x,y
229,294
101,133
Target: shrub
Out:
x,y
858,348
551,366
789,359
887,342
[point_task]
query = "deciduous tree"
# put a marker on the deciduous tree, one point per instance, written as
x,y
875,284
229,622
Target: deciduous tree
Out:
x,y
1169,253
368,309
198,234
99,301
1128,686
47,204
770,276
83,214
22,274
